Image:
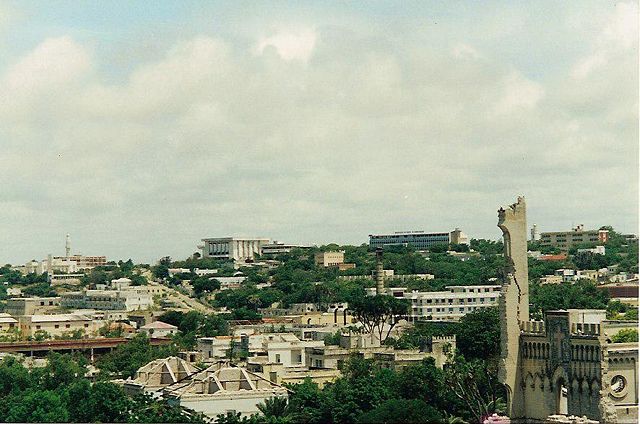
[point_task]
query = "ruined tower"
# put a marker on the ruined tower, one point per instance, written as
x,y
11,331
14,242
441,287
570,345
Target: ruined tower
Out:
x,y
514,300
379,272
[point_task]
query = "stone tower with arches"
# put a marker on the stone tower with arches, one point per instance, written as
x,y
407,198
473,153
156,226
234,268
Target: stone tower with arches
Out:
x,y
566,364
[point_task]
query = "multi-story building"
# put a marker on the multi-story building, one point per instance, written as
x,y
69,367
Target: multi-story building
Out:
x,y
449,305
418,239
332,357
327,259
277,248
389,275
85,262
57,325
49,265
566,239
131,299
233,248
31,305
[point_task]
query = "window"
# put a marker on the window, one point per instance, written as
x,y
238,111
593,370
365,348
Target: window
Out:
x,y
278,358
56,326
87,326
67,326
37,327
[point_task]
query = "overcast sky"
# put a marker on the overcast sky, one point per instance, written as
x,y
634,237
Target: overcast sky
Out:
x,y
142,127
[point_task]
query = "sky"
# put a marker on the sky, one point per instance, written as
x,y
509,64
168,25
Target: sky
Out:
x,y
142,127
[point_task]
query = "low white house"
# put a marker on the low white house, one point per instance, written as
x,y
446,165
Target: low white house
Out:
x,y
159,329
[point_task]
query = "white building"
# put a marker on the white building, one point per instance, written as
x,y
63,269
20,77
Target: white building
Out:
x,y
280,348
158,374
276,248
218,390
287,349
228,283
199,272
418,239
234,248
159,329
598,250
129,299
49,264
449,305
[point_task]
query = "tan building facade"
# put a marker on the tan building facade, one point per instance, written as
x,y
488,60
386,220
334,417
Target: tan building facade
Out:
x,y
327,259
57,325
578,235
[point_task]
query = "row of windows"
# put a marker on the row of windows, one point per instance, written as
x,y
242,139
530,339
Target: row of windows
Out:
x,y
456,301
38,327
447,310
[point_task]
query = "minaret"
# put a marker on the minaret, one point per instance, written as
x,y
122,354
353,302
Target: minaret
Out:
x,y
67,246
379,272
535,234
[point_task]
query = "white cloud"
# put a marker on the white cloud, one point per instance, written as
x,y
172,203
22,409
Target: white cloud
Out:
x,y
290,45
375,133
54,62
618,37
519,94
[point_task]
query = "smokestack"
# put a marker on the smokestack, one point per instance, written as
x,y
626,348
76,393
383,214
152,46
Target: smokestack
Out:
x,y
49,267
67,246
379,272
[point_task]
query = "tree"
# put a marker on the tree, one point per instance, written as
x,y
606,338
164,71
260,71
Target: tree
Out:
x,y
108,403
35,406
61,370
626,335
274,407
138,280
583,294
204,285
478,334
475,383
127,358
413,411
374,312
59,392
148,410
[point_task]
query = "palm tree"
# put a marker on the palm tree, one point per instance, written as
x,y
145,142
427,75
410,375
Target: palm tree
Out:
x,y
274,407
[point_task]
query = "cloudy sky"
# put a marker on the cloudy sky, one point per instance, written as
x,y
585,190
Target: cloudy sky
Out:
x,y
141,128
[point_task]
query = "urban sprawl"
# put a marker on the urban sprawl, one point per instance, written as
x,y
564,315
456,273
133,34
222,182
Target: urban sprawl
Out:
x,y
412,327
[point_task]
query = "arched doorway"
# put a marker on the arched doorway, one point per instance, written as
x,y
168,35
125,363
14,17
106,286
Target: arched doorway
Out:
x,y
562,403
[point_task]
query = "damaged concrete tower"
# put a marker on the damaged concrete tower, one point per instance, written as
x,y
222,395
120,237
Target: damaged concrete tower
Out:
x,y
514,299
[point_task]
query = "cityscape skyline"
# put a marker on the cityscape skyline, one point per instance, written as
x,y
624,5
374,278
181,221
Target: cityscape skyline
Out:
x,y
142,129
67,243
